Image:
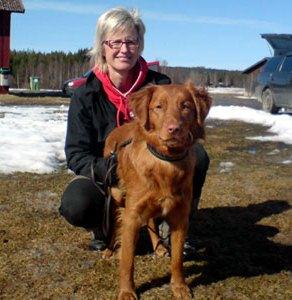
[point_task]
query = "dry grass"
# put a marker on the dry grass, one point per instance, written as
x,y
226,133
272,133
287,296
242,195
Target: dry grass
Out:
x,y
33,99
243,232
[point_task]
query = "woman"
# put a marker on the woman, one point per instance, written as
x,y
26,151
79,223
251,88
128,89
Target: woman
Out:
x,y
99,106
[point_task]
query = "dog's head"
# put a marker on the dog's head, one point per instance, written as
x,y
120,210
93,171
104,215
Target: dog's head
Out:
x,y
172,115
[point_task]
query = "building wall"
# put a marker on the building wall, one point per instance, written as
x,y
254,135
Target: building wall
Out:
x,y
4,38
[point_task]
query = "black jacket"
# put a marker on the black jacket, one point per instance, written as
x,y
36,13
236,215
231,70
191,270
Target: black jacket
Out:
x,y
91,118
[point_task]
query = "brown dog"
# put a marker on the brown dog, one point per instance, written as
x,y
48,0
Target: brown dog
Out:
x,y
119,138
156,170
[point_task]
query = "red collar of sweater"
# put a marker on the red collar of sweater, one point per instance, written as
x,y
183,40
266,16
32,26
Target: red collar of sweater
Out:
x,y
118,98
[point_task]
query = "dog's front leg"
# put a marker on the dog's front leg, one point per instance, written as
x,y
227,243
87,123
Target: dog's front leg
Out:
x,y
178,227
130,229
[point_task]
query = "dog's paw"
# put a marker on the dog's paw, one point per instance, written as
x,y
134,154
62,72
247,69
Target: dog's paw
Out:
x,y
181,292
161,251
127,295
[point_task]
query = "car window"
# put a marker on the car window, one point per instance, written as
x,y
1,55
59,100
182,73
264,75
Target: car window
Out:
x,y
272,64
287,65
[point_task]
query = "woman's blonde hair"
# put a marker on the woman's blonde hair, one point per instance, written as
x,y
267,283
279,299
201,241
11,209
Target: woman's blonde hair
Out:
x,y
112,21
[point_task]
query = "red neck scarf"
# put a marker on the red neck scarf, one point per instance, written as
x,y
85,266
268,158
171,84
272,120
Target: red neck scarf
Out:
x,y
118,98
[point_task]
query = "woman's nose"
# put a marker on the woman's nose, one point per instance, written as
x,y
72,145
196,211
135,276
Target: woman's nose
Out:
x,y
124,47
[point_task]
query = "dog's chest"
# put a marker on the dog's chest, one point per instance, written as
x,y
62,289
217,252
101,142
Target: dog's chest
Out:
x,y
159,185
170,185
168,175
167,204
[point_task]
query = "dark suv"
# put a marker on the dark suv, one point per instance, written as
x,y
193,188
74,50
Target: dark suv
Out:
x,y
274,83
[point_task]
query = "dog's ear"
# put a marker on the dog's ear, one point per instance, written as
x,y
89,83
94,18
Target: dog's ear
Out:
x,y
139,104
202,101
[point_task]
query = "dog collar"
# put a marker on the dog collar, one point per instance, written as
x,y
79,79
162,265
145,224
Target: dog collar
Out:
x,y
167,157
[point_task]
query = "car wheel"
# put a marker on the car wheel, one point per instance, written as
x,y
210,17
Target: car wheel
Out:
x,y
268,103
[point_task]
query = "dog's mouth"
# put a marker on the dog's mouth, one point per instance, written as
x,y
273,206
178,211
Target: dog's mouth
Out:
x,y
177,141
170,148
172,142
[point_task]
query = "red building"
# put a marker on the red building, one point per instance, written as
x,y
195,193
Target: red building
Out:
x,y
6,8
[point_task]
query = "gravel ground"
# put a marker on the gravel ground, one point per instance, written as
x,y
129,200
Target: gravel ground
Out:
x,y
231,99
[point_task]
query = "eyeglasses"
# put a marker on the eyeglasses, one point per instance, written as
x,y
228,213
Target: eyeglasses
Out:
x,y
117,44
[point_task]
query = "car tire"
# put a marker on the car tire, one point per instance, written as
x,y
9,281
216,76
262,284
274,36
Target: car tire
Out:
x,y
268,103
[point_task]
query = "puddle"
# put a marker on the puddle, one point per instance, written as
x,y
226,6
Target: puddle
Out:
x,y
252,150
225,167
274,152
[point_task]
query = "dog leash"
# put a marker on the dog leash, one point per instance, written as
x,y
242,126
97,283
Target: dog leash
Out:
x,y
105,189
161,240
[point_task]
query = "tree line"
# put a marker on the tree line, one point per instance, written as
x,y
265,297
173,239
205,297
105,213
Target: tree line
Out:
x,y
51,68
56,67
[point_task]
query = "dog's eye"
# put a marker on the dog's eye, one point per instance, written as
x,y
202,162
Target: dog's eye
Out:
x,y
185,105
157,107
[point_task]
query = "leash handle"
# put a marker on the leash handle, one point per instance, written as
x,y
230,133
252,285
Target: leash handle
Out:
x,y
105,191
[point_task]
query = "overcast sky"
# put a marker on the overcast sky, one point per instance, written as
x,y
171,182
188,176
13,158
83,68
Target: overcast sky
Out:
x,y
217,34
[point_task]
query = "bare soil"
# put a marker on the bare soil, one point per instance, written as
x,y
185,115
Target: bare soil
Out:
x,y
243,231
21,98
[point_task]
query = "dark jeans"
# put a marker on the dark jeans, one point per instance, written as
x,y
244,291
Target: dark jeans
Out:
x,y
82,204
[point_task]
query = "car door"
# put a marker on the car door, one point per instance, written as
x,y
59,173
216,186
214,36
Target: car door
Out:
x,y
267,77
277,80
285,73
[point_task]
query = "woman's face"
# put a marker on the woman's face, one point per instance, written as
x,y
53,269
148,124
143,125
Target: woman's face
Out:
x,y
121,51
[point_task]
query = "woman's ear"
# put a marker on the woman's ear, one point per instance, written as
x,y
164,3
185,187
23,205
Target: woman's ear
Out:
x,y
139,104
